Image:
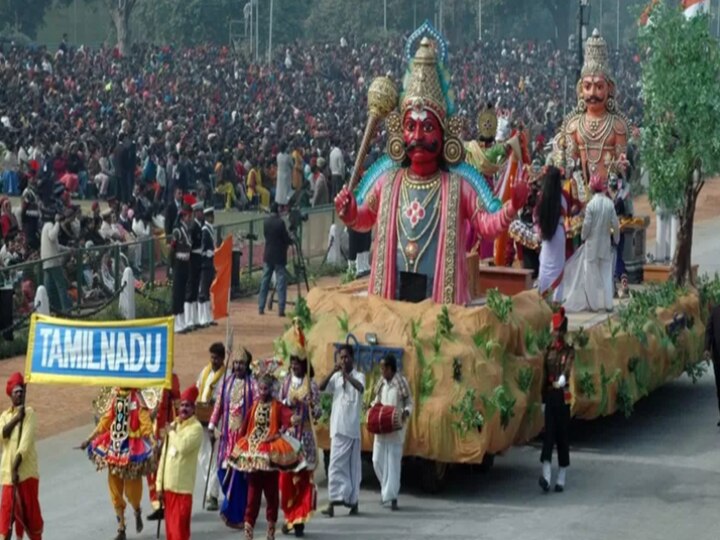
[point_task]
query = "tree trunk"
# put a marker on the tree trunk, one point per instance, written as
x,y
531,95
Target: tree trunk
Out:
x,y
120,11
682,258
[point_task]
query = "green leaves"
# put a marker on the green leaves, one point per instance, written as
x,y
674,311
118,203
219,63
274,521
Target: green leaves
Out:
x,y
500,305
681,125
468,417
524,379
501,401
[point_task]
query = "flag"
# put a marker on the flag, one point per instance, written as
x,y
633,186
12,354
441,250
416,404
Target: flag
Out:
x,y
695,7
220,288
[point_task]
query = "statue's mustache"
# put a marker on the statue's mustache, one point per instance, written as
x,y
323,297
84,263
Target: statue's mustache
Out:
x,y
430,147
593,99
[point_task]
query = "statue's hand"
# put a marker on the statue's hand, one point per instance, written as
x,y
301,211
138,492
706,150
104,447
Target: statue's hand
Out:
x,y
520,194
346,205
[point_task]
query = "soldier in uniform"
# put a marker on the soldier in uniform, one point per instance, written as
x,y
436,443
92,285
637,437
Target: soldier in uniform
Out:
x,y
181,263
193,282
207,269
31,212
557,365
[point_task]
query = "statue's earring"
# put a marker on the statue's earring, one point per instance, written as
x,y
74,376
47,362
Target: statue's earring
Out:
x,y
453,149
581,106
395,144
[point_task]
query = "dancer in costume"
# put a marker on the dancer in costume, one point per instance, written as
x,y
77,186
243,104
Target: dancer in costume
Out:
x,y
550,211
261,452
301,394
391,389
164,412
557,367
231,410
123,442
208,387
19,466
178,467
421,210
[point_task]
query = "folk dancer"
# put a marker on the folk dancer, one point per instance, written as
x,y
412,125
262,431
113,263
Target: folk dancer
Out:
x,y
207,269
557,367
261,451
392,389
196,256
123,443
181,246
300,393
346,385
549,214
207,385
231,409
178,467
163,414
20,478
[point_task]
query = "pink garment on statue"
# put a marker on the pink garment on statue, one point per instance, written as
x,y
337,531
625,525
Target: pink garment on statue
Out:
x,y
485,225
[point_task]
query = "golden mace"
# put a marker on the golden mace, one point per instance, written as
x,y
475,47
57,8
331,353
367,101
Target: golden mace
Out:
x,y
382,100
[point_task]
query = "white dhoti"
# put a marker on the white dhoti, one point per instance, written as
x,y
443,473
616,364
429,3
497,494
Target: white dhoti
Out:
x,y
387,462
206,454
345,470
588,284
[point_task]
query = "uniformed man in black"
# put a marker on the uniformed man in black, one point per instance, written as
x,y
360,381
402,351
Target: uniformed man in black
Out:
x,y
207,268
193,284
30,209
557,366
181,264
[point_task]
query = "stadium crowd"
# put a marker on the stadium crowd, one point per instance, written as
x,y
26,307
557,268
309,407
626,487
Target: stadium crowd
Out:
x,y
81,123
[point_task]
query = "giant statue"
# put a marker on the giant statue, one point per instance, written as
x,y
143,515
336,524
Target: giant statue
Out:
x,y
594,135
420,196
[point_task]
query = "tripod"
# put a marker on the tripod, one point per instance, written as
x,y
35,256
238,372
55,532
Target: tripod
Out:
x,y
299,269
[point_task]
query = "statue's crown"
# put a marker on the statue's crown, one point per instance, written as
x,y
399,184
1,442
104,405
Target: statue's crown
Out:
x,y
597,59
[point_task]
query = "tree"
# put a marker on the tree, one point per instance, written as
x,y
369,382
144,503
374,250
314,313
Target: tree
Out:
x,y
24,16
120,12
681,127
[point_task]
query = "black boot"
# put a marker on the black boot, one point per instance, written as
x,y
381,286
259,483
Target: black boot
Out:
x,y
156,515
299,530
138,521
121,535
544,484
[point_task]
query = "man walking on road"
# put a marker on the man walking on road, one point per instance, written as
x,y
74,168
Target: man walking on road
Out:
x,y
712,347
346,385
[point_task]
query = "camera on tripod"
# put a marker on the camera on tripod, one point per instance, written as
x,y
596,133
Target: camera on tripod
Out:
x,y
296,218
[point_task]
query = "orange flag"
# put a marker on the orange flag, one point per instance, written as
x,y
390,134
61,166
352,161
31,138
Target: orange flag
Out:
x,y
220,288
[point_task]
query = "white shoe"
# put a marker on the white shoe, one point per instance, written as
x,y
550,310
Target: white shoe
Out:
x,y
195,314
179,325
188,316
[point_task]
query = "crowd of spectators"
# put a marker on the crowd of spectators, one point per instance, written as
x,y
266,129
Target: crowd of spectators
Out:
x,y
81,123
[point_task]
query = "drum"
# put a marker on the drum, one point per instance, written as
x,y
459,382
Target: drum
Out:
x,y
383,419
203,412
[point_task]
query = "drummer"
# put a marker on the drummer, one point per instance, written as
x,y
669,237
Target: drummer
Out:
x,y
207,385
392,389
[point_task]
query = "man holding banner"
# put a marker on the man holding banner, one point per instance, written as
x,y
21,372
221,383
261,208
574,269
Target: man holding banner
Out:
x,y
19,466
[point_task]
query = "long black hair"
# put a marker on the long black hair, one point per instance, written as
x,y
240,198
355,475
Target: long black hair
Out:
x,y
550,203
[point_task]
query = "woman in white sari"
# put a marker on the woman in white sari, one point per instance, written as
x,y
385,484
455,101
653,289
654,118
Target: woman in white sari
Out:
x,y
550,227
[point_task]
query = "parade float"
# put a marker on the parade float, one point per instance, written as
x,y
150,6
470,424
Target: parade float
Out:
x,y
474,367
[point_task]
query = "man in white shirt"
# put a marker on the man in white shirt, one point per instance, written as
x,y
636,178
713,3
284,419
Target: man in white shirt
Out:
x,y
337,170
392,389
54,274
283,186
346,385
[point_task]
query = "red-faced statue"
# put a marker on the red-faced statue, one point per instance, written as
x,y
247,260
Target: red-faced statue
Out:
x,y
423,136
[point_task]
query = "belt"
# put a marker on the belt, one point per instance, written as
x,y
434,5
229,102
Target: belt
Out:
x,y
32,213
197,251
182,256
209,253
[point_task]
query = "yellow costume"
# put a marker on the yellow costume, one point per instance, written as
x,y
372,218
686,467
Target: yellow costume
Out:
x,y
255,187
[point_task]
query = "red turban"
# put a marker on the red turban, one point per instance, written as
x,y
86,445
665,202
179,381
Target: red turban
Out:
x,y
16,379
190,394
559,319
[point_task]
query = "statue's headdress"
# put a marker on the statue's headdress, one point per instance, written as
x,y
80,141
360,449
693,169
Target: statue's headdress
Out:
x,y
426,87
597,59
298,347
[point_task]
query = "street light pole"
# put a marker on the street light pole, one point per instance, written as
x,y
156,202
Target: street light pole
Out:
x,y
617,26
480,20
270,34
385,15
257,30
